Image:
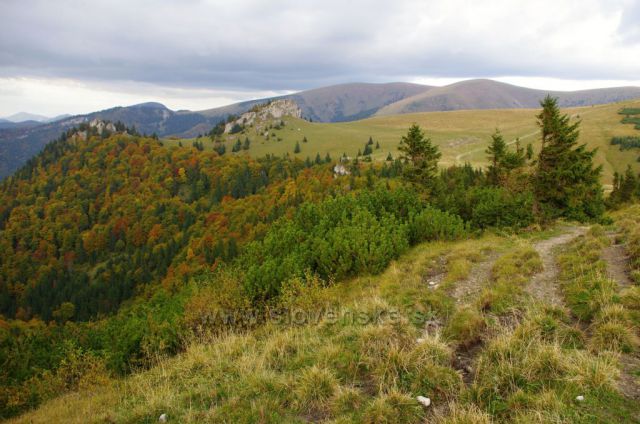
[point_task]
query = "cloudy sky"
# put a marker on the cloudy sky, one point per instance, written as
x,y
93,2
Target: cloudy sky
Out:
x,y
75,56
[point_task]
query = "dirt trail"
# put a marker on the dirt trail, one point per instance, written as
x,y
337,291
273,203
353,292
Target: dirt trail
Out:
x,y
543,285
617,262
466,290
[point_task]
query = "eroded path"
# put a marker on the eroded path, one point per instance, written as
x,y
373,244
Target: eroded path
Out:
x,y
543,286
466,291
617,263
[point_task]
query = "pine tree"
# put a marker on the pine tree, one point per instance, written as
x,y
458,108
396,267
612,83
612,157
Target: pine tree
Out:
x,y
370,142
628,184
389,157
304,139
566,183
327,158
318,160
367,150
496,153
377,145
247,143
297,148
420,157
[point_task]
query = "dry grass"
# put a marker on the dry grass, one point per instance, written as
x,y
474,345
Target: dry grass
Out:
x,y
366,364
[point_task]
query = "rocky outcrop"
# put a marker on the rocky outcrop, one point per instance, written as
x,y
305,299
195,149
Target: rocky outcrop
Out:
x,y
101,125
263,115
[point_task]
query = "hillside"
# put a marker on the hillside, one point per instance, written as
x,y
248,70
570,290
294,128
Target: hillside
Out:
x,y
488,94
496,329
129,262
462,136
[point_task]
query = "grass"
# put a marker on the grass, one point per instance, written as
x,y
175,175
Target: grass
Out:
x,y
462,136
393,337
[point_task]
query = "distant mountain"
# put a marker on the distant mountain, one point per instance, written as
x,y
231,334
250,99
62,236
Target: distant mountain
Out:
x,y
57,118
336,103
345,102
488,94
25,116
19,142
4,124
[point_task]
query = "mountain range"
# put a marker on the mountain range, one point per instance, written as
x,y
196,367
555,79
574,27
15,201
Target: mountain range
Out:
x,y
345,102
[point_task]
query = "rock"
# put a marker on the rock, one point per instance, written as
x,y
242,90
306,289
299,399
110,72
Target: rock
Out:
x,y
425,401
433,283
263,113
340,170
163,418
579,398
420,340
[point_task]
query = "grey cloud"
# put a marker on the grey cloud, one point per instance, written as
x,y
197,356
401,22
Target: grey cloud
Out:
x,y
260,45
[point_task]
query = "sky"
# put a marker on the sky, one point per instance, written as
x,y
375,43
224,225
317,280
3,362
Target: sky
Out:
x,y
78,56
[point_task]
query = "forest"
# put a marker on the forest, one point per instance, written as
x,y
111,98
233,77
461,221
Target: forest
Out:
x,y
116,248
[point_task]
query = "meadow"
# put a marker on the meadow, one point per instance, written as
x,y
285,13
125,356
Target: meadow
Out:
x,y
462,136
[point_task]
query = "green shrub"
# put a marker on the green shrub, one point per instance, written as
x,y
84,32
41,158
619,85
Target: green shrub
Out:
x,y
497,207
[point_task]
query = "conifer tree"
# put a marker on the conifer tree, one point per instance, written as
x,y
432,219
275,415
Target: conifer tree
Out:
x,y
496,153
566,183
297,148
420,157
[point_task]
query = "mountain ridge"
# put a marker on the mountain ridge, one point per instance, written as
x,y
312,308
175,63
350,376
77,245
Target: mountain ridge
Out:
x,y
337,103
490,94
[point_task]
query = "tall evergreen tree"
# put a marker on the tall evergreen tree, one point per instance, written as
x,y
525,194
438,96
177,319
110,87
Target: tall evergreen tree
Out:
x,y
419,156
496,153
297,148
566,182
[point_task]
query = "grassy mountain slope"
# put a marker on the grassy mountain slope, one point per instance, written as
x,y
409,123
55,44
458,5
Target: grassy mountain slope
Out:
x,y
488,94
469,324
461,135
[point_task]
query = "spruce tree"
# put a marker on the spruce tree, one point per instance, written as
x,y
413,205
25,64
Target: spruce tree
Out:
x,y
297,148
566,183
496,153
420,157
